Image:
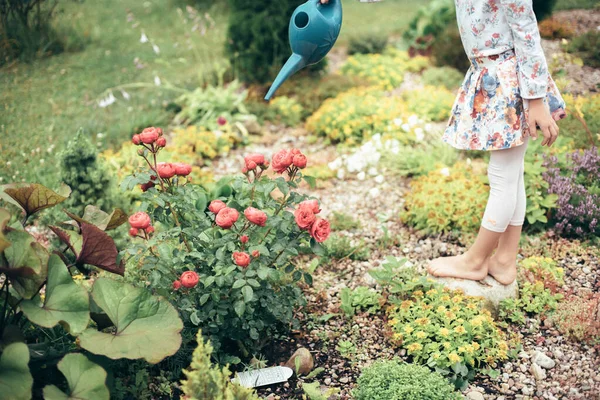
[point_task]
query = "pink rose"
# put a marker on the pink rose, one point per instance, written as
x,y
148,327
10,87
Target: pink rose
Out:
x,y
304,217
250,165
255,253
136,139
149,135
227,217
161,142
133,232
312,205
149,229
165,170
216,206
182,169
244,239
320,230
189,279
282,160
241,259
300,160
139,220
176,285
259,159
295,151
255,216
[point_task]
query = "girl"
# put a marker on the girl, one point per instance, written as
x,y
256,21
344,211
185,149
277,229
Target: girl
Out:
x,y
506,95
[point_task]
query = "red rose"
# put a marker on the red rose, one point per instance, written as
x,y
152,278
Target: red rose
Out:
x,y
255,253
281,160
216,206
300,160
149,135
227,217
139,220
295,151
244,239
161,142
189,279
221,121
255,216
133,232
305,218
320,230
182,169
312,205
136,139
241,259
250,165
259,159
165,170
150,229
176,285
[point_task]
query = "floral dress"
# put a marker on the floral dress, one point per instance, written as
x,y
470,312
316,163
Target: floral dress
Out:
x,y
508,68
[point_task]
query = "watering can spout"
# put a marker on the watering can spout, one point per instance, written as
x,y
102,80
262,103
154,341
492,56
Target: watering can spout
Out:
x,y
294,64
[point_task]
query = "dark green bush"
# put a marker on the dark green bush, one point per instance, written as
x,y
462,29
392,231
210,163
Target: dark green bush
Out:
x,y
386,380
448,49
90,181
587,46
367,44
257,43
543,8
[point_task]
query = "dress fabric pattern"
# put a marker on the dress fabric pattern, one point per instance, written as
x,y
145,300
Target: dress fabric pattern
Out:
x,y
508,68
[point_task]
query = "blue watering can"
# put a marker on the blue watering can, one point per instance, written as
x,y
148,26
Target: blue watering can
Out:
x,y
314,28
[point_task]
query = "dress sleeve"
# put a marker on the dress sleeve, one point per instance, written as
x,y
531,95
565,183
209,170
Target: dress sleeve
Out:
x,y
533,69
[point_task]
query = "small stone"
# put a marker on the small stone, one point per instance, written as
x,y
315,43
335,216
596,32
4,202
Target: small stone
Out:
x,y
344,379
328,381
523,367
306,363
543,360
475,395
538,373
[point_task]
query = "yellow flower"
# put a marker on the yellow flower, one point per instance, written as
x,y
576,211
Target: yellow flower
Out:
x,y
476,322
435,356
421,335
417,293
457,299
502,345
445,298
413,347
408,329
406,304
422,321
462,349
453,357
471,306
444,332
432,292
475,345
460,329
397,336
450,315
393,322
446,345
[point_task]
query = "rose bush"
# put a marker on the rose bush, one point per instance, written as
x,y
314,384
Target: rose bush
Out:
x,y
224,254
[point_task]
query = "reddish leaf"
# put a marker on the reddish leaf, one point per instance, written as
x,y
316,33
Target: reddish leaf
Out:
x,y
63,237
35,197
99,250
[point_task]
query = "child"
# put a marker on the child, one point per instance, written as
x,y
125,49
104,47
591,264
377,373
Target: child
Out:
x,y
507,93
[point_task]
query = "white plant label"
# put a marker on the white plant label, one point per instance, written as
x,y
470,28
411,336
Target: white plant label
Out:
x,y
263,376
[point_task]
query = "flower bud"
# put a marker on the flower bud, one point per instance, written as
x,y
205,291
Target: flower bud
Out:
x,y
244,239
136,139
176,285
133,232
161,141
255,253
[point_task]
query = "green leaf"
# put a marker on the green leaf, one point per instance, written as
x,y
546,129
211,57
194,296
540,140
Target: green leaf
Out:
x,y
317,248
95,216
312,182
66,302
146,326
87,380
254,282
15,379
4,219
248,293
239,307
308,278
35,197
204,298
238,284
27,263
194,318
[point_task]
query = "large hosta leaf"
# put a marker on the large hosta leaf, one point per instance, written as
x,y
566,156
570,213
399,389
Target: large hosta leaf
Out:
x,y
86,380
15,379
27,263
145,326
95,216
66,302
35,197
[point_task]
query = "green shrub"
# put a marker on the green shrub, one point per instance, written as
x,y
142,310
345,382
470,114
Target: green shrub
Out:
x,y
576,4
542,269
448,50
417,161
587,46
367,44
344,222
386,380
286,110
577,318
207,381
257,37
339,247
543,8
449,77
360,299
582,125
539,201
446,199
534,299
430,103
552,28
88,177
429,23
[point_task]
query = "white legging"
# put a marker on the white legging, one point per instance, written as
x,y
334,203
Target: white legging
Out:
x,y
508,201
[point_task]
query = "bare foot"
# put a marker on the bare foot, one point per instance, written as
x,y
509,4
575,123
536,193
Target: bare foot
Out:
x,y
461,266
504,273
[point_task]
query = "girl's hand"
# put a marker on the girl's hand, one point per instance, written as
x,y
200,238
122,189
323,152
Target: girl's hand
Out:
x,y
539,115
324,1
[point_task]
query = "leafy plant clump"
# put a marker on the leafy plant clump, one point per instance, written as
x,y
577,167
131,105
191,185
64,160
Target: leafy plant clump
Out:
x,y
393,379
446,199
534,299
224,256
543,269
207,381
360,299
439,327
552,28
583,121
286,110
577,318
430,102
448,77
587,46
428,24
356,115
373,43
340,247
